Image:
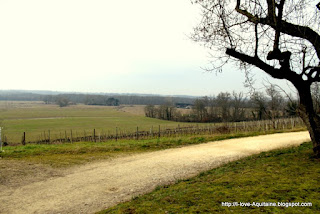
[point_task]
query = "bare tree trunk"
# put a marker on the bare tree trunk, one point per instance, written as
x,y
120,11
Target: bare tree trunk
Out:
x,y
310,118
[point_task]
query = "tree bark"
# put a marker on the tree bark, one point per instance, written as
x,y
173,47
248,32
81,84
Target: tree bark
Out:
x,y
309,117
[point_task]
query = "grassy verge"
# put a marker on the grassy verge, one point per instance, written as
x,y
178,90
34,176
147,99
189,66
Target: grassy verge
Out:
x,y
287,175
67,154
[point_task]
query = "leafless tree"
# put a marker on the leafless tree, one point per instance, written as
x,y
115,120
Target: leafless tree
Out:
x,y
150,111
212,108
238,113
62,101
260,105
224,102
280,37
166,111
199,109
275,102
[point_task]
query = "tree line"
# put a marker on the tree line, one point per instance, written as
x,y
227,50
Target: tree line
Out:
x,y
234,107
114,100
91,99
68,99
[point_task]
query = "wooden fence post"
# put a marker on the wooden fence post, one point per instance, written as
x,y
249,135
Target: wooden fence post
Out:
x,y
0,140
65,136
94,135
71,137
116,133
137,132
24,138
151,131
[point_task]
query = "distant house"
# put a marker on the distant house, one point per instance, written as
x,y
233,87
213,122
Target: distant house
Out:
x,y
184,105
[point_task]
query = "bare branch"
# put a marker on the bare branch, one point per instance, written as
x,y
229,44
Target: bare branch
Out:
x,y
272,10
257,40
250,17
303,32
313,74
256,61
222,17
304,50
278,24
278,73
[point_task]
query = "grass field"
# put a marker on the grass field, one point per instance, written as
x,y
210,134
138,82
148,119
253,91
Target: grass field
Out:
x,y
35,118
42,122
287,175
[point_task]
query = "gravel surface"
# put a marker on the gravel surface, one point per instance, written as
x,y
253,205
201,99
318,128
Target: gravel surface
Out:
x,y
96,186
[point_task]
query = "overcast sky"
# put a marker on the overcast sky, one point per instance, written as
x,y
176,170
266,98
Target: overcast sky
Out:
x,y
139,46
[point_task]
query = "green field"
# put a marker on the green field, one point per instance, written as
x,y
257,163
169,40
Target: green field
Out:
x,y
35,118
42,122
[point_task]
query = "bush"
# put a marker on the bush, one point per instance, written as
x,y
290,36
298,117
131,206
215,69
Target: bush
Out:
x,y
62,101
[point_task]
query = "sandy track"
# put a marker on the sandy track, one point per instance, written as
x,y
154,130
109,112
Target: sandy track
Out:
x,y
95,186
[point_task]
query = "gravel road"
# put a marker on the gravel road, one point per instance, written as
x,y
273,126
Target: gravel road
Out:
x,y
96,186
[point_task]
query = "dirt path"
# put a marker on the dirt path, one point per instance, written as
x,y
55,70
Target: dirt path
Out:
x,y
95,186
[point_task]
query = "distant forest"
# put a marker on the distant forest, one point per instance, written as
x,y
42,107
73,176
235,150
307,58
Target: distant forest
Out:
x,y
92,99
